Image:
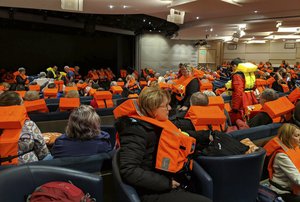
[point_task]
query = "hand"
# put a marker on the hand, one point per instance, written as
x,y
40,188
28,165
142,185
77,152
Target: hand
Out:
x,y
175,184
183,108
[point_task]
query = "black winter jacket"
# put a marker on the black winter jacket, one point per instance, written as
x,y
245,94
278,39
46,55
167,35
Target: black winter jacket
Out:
x,y
139,141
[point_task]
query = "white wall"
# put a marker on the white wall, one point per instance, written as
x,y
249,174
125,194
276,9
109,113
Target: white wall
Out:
x,y
162,54
274,52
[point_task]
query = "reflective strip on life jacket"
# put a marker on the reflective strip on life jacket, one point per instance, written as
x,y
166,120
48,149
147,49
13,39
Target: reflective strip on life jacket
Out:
x,y
174,147
275,146
36,105
12,120
203,117
68,103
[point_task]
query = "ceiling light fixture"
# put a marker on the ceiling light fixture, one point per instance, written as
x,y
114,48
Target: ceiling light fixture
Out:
x,y
256,41
75,5
197,17
233,2
211,29
125,6
288,29
255,11
279,23
111,6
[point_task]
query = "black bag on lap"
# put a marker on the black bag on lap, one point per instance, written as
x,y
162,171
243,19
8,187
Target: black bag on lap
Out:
x,y
224,145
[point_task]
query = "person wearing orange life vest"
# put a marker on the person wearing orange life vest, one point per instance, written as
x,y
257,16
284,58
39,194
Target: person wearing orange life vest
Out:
x,y
262,118
284,163
132,85
29,142
142,126
186,85
21,78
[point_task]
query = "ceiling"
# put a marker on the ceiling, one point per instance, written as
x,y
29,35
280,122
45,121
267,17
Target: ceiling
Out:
x,y
204,19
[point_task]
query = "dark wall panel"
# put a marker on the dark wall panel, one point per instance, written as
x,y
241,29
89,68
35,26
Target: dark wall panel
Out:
x,y
36,50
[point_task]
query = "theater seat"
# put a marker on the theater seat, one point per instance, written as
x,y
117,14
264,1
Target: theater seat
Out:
x,y
124,192
17,183
90,164
235,178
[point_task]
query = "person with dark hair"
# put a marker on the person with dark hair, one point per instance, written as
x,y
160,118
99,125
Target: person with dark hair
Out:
x,y
141,128
284,166
83,136
31,144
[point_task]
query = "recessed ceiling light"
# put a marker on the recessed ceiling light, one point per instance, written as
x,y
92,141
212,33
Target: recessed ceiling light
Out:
x,y
255,11
159,31
144,20
197,17
125,6
149,23
111,6
211,29
216,35
150,30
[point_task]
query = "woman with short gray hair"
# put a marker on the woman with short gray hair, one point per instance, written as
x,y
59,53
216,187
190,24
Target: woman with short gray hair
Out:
x,y
83,136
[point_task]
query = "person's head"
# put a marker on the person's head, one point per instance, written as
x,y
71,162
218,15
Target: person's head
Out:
x,y
235,62
113,83
268,95
209,93
9,98
31,95
199,99
72,94
66,68
129,78
71,84
83,124
22,70
120,80
154,103
161,79
51,85
77,68
6,86
42,75
289,134
20,88
186,70
54,68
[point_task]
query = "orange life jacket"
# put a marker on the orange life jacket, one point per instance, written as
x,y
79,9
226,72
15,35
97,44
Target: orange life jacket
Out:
x,y
123,73
198,73
59,84
275,146
68,103
174,147
279,109
116,89
133,96
92,91
294,95
261,84
132,85
21,93
163,85
81,86
285,88
143,83
180,87
270,81
206,117
36,105
67,89
120,83
1,88
50,93
206,86
103,99
12,120
35,87
216,101
24,77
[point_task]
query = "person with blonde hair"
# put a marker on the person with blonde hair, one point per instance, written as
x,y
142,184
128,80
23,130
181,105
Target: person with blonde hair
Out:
x,y
31,95
83,135
141,125
284,163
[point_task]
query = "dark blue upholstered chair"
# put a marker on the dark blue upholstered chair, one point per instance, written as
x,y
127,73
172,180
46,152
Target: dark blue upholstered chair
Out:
x,y
235,178
18,182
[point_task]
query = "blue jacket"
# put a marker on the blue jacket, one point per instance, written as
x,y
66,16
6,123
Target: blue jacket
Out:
x,y
69,147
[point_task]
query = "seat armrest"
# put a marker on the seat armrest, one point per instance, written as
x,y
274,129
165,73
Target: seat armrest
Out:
x,y
203,181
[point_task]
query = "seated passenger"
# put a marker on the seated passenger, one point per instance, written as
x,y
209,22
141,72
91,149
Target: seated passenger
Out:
x,y
31,95
141,128
32,146
296,116
83,136
284,165
262,118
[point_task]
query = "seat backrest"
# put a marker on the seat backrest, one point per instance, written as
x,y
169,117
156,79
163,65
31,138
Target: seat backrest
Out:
x,y
125,193
254,133
89,164
235,178
19,182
